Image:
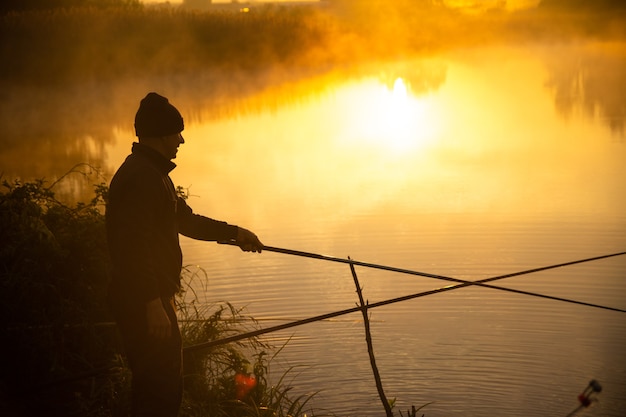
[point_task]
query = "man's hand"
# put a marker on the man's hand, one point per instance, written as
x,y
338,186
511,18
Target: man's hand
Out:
x,y
159,325
248,241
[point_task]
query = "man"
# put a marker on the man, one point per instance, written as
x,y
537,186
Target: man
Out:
x,y
144,217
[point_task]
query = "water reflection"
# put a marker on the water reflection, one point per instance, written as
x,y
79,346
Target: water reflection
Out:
x,y
45,132
589,81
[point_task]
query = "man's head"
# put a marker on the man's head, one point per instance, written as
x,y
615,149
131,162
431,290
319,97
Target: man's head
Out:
x,y
158,124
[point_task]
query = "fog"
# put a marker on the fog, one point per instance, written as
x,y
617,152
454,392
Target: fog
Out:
x,y
74,77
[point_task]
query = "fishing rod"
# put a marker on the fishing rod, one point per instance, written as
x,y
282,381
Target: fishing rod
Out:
x,y
462,282
412,272
334,314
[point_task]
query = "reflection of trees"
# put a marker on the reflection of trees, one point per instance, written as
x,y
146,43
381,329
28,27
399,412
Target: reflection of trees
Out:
x,y
591,80
47,131
271,91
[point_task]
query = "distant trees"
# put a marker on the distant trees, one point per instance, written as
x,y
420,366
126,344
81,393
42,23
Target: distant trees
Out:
x,y
25,5
581,5
196,4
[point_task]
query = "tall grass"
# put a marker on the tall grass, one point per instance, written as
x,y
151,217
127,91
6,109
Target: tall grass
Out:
x,y
232,379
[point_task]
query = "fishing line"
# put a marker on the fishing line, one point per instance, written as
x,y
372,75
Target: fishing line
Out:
x,y
461,284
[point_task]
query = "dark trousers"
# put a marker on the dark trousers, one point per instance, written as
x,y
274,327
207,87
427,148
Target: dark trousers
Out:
x,y
156,365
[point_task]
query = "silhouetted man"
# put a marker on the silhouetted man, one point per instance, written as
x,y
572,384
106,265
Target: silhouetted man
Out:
x,y
144,217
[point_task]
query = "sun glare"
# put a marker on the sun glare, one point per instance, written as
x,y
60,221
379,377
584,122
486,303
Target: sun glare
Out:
x,y
389,118
481,6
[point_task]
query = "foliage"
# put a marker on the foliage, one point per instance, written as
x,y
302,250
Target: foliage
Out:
x,y
413,411
53,277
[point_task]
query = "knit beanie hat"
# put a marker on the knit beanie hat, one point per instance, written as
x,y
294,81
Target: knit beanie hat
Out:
x,y
156,117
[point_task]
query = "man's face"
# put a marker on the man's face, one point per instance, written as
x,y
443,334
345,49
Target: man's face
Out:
x,y
170,145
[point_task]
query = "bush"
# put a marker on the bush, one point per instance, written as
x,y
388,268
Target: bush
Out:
x,y
53,277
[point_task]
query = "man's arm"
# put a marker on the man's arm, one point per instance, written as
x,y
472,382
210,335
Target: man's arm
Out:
x,y
200,227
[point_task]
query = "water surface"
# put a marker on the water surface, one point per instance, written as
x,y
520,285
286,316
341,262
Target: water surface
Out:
x,y
486,170
472,164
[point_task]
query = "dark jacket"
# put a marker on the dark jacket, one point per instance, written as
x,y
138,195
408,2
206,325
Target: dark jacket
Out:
x,y
144,216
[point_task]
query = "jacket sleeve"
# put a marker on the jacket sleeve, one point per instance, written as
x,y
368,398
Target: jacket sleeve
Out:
x,y
200,227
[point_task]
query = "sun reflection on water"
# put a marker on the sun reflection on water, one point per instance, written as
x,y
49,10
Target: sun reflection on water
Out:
x,y
388,119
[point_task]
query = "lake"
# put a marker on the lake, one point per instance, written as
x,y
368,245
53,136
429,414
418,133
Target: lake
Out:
x,y
470,164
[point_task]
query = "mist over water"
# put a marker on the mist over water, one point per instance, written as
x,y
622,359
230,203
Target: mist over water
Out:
x,y
74,77
466,141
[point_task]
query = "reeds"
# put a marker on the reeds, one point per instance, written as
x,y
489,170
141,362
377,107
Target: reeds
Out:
x,y
229,379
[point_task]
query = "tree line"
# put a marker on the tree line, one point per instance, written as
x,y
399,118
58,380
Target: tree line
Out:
x,y
31,5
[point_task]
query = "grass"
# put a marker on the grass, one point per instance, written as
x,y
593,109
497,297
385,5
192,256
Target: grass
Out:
x,y
233,379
